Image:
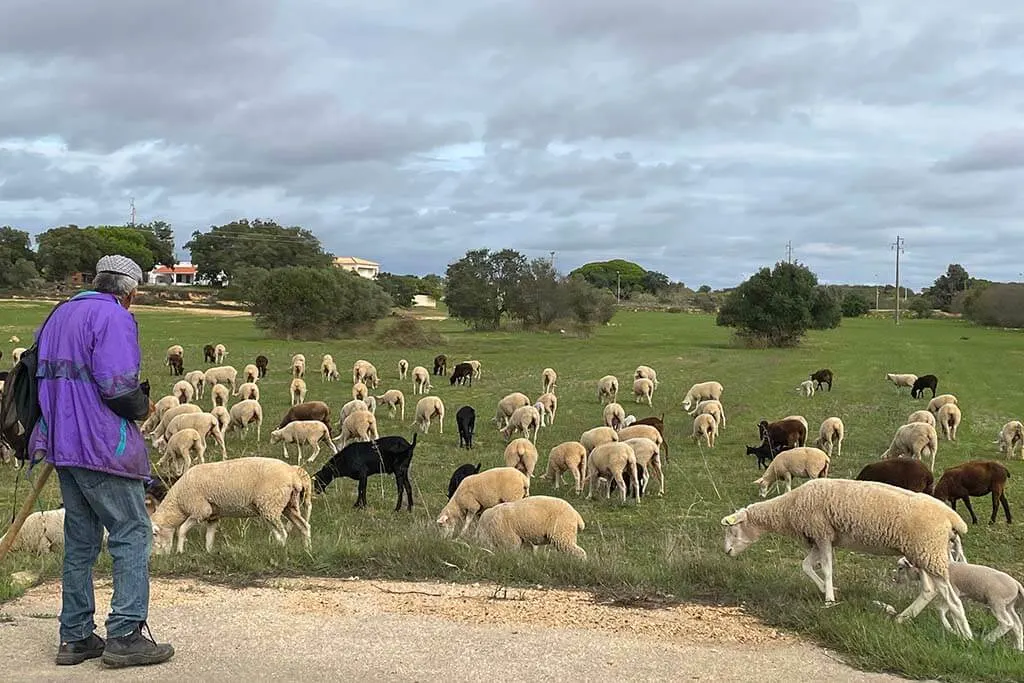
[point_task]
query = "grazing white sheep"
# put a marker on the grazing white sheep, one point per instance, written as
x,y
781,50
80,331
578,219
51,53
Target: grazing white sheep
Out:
x,y
805,462
250,373
646,372
297,391
223,417
184,391
645,431
547,406
614,416
248,390
939,401
206,424
592,438
1003,594
806,388
358,426
865,516
523,420
568,456
170,414
351,407
611,461
159,408
521,454
702,391
643,390
242,487
298,366
224,374
509,405
177,452
949,418
403,368
831,436
477,368
328,369
219,395
310,432
1010,437
533,521
197,378
914,440
245,413
549,379
704,425
219,351
901,380
174,350
395,401
608,388
420,380
714,408
360,391
428,408
648,456
481,491
365,372
41,533
921,416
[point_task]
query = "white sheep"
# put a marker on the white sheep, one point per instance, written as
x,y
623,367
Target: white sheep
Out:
x,y
547,406
420,380
805,462
568,456
329,369
865,516
643,390
1003,594
219,395
197,378
914,440
297,391
534,521
310,432
607,388
170,414
648,456
184,391
42,532
901,380
481,491
521,454
243,414
704,425
403,368
159,408
298,366
177,452
361,425
250,373
702,391
243,487
831,435
395,401
646,372
477,368
939,401
611,461
223,417
714,408
949,417
174,350
365,372
360,391
219,351
592,438
548,379
427,408
351,407
806,388
508,405
248,390
1010,437
523,420
614,416
225,374
206,424
921,416
646,431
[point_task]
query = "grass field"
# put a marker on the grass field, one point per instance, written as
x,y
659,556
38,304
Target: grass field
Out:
x,y
665,548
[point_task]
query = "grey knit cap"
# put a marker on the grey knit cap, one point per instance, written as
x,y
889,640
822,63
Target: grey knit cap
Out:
x,y
121,265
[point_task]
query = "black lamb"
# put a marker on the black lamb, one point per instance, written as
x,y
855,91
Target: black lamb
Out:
x,y
361,459
460,473
823,376
465,420
924,382
261,365
462,374
209,354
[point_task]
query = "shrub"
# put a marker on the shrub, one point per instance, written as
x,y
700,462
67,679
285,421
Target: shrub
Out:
x,y
921,307
855,305
409,333
774,306
826,310
996,305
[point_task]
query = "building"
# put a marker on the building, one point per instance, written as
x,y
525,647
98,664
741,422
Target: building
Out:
x,y
360,266
182,274
424,301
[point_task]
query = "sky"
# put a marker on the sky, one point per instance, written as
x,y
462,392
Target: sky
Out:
x,y
696,138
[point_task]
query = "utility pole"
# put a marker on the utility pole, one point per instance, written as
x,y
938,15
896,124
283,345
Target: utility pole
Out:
x,y
618,286
789,251
133,212
876,290
897,246
552,260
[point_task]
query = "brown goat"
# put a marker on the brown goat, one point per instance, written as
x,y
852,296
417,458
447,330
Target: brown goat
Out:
x,y
906,473
310,410
783,433
975,478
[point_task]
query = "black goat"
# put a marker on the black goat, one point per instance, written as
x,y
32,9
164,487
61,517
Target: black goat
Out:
x,y
209,355
924,382
460,473
465,420
462,374
823,376
360,460
441,365
261,365
627,479
764,453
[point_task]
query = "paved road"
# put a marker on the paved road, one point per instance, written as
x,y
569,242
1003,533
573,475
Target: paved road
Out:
x,y
388,631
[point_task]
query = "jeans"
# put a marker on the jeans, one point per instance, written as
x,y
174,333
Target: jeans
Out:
x,y
94,500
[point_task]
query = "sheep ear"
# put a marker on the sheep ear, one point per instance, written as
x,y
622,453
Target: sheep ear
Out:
x,y
734,518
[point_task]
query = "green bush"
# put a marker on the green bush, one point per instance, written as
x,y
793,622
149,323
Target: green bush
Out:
x,y
855,305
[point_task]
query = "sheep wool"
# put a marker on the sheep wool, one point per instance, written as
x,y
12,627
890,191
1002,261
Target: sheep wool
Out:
x,y
533,521
803,461
569,456
702,391
477,492
521,454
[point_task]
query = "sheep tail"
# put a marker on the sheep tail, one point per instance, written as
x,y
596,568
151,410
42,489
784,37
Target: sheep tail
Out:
x,y
824,472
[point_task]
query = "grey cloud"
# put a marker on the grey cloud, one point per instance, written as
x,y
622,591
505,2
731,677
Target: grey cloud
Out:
x,y
997,151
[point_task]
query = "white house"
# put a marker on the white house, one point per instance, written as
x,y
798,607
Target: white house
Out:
x,y
360,266
182,274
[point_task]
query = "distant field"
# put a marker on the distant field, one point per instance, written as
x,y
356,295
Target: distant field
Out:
x,y
668,546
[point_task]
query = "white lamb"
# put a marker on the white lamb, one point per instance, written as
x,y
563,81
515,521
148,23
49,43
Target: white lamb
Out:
x,y
224,374
243,414
420,380
714,408
365,372
204,423
1010,437
310,432
939,401
170,414
702,391
643,390
329,369
509,405
427,408
568,456
646,372
481,491
403,368
477,368
607,388
243,487
611,461
648,456
395,401
805,462
360,391
250,373
223,417
914,440
353,406
801,419
297,391
949,417
549,379
159,408
174,350
921,416
219,351
806,388
704,425
533,521
865,516
901,380
1003,594
831,435
197,378
523,420
298,366
547,406
359,426
614,416
219,395
177,452
522,455
592,438
248,390
184,391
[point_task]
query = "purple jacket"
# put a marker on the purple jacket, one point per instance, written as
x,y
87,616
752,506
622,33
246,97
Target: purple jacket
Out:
x,y
89,351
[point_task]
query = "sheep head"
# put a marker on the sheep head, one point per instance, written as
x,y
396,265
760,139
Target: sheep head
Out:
x,y
739,533
163,537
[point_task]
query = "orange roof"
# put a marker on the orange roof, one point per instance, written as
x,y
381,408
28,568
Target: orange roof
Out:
x,y
353,261
178,270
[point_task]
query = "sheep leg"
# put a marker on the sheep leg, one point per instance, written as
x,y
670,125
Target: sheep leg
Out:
x,y
967,502
1005,623
927,594
278,530
183,530
952,598
809,563
1006,507
1018,626
211,531
944,618
361,495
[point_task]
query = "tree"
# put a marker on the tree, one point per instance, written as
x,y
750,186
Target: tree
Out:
x,y
947,286
655,282
998,305
260,244
542,298
589,304
855,305
471,295
15,245
401,288
826,310
704,289
774,306
616,275
164,234
71,249
921,307
299,301
432,285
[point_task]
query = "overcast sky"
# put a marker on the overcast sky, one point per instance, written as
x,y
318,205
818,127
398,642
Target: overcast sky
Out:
x,y
695,137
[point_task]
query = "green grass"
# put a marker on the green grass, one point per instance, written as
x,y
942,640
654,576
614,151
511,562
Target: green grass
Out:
x,y
670,545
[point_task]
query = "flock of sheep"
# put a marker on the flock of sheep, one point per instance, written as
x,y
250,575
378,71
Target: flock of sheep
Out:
x,y
893,507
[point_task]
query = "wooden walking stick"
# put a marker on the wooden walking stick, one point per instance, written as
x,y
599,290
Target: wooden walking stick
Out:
x,y
45,469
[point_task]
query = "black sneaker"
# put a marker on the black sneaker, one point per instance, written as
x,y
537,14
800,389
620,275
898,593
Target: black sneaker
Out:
x,y
78,651
136,649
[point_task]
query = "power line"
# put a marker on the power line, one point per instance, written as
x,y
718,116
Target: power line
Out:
x,y
789,251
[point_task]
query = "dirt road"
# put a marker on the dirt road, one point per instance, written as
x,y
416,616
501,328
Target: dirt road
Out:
x,y
317,629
